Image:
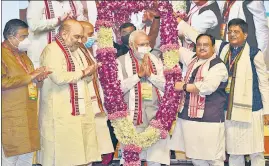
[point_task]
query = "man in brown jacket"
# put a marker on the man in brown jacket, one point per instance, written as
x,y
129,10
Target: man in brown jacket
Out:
x,y
20,134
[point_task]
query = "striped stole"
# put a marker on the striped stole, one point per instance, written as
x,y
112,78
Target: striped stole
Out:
x,y
138,120
70,68
95,77
49,11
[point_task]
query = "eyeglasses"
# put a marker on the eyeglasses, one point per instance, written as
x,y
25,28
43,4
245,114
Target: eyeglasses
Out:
x,y
199,45
233,32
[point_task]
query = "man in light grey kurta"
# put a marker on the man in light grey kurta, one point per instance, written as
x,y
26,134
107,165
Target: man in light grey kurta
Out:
x,y
141,75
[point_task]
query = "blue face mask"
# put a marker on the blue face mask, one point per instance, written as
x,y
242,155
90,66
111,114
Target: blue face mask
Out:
x,y
89,42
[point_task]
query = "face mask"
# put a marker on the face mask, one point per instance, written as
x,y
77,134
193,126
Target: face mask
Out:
x,y
89,42
125,39
23,45
143,50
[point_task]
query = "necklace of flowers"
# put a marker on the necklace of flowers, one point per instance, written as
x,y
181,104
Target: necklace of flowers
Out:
x,y
109,12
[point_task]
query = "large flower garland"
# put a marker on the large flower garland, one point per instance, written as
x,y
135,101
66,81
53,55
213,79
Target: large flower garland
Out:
x,y
119,12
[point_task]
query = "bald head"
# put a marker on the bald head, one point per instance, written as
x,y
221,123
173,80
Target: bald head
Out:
x,y
68,24
86,24
88,30
71,31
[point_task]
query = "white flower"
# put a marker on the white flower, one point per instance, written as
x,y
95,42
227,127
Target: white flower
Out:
x,y
179,6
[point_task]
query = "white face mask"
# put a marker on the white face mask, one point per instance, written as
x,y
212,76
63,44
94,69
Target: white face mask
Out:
x,y
143,50
23,45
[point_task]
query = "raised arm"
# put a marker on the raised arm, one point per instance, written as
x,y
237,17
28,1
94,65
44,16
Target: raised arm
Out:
x,y
54,62
37,23
154,29
192,34
80,11
261,23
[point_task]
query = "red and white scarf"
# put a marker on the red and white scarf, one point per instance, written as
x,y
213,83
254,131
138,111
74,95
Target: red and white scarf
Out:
x,y
74,97
226,11
49,11
197,102
137,120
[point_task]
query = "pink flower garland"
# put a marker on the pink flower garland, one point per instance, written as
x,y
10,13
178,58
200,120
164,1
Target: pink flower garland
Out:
x,y
114,102
168,108
131,155
168,28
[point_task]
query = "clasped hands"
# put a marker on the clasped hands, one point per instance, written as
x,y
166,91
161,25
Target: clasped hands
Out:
x,y
144,69
40,74
91,69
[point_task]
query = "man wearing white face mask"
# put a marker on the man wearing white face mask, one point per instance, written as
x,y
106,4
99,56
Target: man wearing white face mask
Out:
x,y
20,134
142,73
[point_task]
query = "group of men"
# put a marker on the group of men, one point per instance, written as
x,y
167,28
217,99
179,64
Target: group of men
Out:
x,y
225,90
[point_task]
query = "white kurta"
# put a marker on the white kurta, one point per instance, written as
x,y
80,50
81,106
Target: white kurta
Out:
x,y
92,12
66,140
159,152
199,140
208,140
102,132
245,138
254,138
39,25
258,10
201,22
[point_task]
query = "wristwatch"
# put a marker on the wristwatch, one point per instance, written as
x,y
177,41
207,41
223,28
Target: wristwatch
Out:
x,y
185,87
157,17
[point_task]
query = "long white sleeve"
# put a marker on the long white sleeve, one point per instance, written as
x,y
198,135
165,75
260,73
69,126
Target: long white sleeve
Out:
x,y
37,23
158,80
55,64
127,83
185,56
261,24
263,81
204,21
212,80
192,34
92,11
80,11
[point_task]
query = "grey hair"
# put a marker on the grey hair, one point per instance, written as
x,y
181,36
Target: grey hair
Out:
x,y
133,36
12,27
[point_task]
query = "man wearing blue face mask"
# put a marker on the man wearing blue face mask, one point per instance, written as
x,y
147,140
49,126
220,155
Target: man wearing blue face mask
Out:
x,y
102,131
141,72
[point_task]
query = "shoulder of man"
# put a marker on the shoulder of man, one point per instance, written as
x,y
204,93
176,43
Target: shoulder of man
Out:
x,y
121,58
253,51
222,45
215,61
212,6
52,47
52,44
